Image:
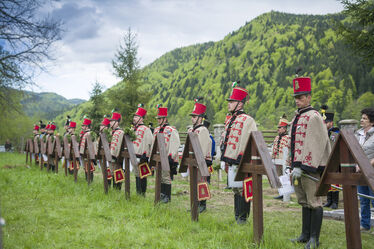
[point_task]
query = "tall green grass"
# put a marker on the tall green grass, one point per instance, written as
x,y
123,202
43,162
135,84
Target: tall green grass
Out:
x,y
47,210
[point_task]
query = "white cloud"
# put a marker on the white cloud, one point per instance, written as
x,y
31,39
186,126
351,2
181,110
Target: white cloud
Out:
x,y
94,30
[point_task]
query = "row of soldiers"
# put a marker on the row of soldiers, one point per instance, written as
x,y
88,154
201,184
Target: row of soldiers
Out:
x,y
309,149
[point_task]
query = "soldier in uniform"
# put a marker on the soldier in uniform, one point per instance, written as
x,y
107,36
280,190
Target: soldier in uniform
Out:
x,y
172,144
50,131
198,127
235,138
70,132
309,150
36,143
333,132
142,146
116,143
280,142
88,167
43,133
104,126
66,126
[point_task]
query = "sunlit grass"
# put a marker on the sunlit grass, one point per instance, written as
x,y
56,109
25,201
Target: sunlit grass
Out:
x,y
47,210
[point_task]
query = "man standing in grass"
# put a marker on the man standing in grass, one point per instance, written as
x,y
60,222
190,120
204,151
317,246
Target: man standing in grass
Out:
x,y
142,147
235,137
280,142
310,149
51,130
197,118
88,167
115,145
172,144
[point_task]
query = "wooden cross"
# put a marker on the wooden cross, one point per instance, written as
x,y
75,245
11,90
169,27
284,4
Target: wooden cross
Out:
x,y
57,152
89,156
193,159
36,147
341,169
128,154
75,155
66,153
28,150
50,148
159,159
103,154
257,161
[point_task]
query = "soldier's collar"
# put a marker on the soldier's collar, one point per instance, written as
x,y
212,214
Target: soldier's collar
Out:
x,y
305,109
196,127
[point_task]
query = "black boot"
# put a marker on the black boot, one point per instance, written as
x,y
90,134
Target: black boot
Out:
x,y
167,193
137,184
202,206
236,206
329,199
162,192
305,232
335,200
315,228
109,182
143,185
243,210
92,175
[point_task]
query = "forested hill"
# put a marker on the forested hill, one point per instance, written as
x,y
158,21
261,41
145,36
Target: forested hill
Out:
x,y
46,105
263,55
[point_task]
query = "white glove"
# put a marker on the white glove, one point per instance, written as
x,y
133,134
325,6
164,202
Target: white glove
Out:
x,y
223,165
296,173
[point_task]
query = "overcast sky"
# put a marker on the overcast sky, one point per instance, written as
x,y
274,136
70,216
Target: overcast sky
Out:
x,y
93,30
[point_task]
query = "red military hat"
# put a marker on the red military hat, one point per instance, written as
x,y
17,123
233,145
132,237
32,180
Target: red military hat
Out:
x,y
105,122
162,111
283,122
238,93
72,124
116,116
52,127
141,111
86,121
47,127
198,109
36,127
302,85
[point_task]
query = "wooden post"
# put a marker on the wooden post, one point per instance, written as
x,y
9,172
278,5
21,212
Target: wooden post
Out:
x,y
258,210
351,216
340,169
256,161
128,155
158,183
159,160
75,154
27,151
104,152
194,203
193,159
127,177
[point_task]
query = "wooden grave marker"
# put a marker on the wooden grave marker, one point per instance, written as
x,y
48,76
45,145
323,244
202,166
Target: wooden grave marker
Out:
x,y
193,159
36,147
88,156
57,152
28,150
257,161
160,161
75,155
341,169
128,155
43,149
104,155
50,145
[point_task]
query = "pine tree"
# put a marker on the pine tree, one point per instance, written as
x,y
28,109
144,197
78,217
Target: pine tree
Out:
x,y
127,94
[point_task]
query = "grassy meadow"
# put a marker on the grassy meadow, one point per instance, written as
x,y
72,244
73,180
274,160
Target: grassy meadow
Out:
x,y
47,210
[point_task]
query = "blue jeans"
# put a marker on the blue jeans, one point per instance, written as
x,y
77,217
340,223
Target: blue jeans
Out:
x,y
365,206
